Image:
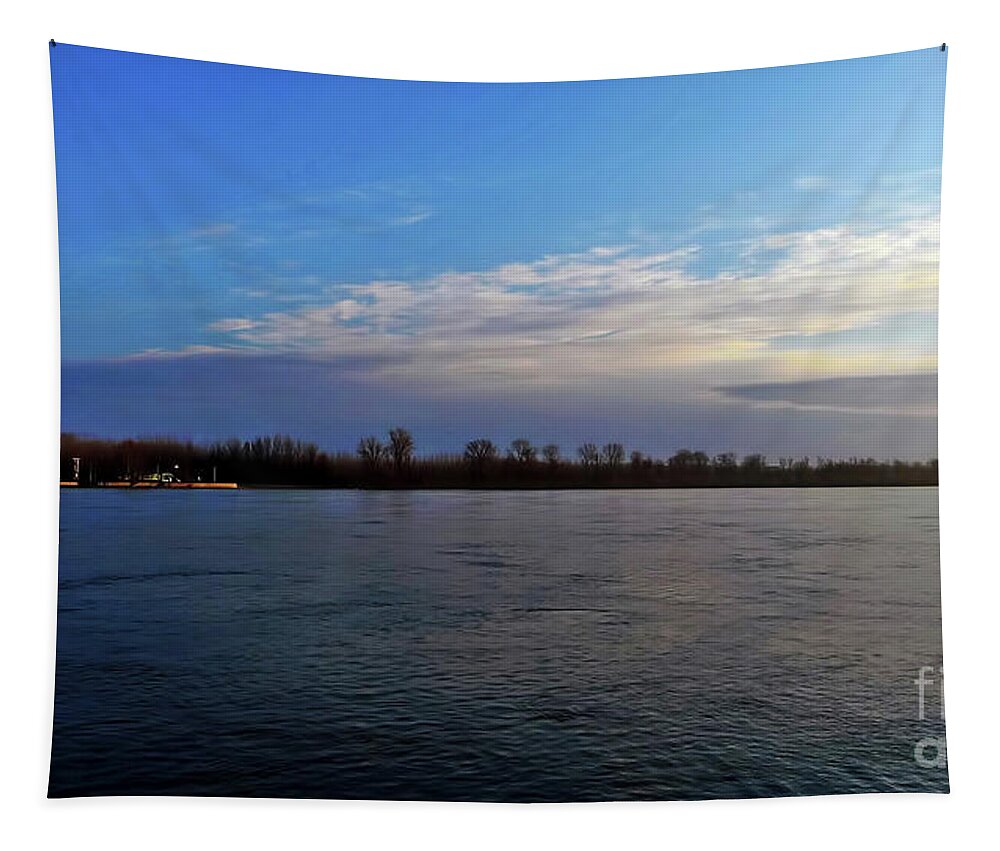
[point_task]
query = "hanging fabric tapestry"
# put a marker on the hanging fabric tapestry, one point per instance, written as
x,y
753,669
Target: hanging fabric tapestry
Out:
x,y
561,441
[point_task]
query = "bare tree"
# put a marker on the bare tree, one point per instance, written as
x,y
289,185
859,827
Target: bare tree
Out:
x,y
613,454
522,451
371,451
550,452
479,453
401,449
589,455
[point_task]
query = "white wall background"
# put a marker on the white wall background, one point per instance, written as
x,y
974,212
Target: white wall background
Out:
x,y
513,40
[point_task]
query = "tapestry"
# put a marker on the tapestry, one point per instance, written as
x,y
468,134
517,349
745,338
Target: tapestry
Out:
x,y
506,442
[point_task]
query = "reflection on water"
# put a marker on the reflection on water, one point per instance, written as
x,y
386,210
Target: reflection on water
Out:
x,y
530,646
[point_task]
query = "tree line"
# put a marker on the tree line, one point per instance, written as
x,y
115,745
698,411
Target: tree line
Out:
x,y
392,462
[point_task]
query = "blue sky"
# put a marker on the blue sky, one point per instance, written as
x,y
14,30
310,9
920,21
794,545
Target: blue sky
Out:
x,y
741,261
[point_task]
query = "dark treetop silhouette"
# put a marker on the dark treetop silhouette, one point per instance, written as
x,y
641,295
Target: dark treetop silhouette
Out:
x,y
281,461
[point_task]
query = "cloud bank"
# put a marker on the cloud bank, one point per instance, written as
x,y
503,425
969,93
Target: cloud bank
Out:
x,y
833,325
609,314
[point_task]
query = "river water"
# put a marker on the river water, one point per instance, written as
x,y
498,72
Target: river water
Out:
x,y
500,646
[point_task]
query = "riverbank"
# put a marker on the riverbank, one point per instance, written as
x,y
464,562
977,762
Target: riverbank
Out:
x,y
157,485
596,486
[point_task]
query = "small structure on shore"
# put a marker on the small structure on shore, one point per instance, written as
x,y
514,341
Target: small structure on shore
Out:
x,y
147,485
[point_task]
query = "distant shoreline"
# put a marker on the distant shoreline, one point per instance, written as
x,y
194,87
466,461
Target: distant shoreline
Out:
x,y
284,462
153,486
488,488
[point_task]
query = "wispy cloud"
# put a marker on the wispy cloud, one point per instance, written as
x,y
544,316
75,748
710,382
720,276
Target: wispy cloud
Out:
x,y
612,314
881,394
226,326
364,210
414,218
188,352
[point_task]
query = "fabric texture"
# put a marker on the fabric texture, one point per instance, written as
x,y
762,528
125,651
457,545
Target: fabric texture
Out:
x,y
534,442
